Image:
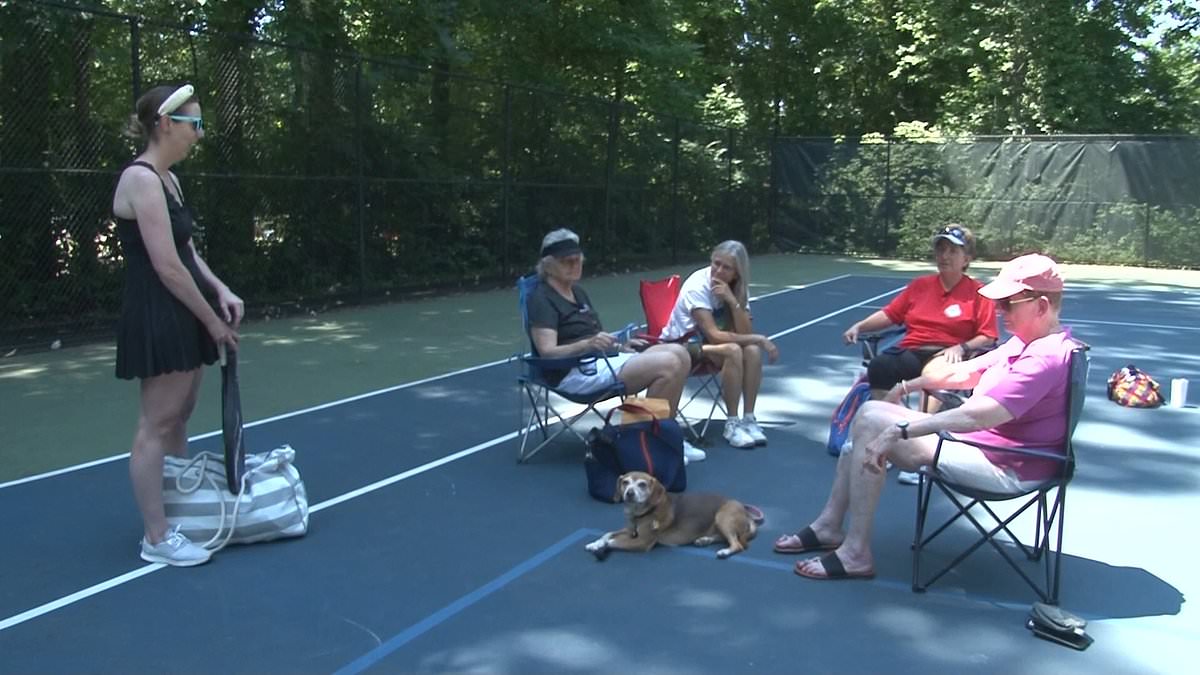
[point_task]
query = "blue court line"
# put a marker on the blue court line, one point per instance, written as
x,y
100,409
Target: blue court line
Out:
x,y
449,611
465,602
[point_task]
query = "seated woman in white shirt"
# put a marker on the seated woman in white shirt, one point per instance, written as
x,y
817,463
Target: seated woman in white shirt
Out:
x,y
713,310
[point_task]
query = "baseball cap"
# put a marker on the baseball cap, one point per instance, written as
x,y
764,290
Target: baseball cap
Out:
x,y
1033,272
951,233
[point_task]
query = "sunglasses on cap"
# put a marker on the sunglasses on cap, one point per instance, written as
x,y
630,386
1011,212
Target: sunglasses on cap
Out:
x,y
953,231
197,122
1005,304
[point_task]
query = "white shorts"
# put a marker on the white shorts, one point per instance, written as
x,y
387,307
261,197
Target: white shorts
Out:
x,y
595,376
967,465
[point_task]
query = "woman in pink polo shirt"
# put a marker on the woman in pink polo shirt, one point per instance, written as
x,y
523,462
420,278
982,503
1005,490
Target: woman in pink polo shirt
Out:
x,y
1021,390
945,317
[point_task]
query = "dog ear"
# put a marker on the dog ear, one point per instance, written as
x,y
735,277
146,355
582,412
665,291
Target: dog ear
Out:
x,y
618,490
658,493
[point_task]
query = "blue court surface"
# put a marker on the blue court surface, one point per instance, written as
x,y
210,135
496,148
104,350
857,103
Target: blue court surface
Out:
x,y
431,550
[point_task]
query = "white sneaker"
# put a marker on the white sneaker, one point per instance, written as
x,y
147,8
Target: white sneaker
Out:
x,y
908,477
750,425
175,549
692,454
736,435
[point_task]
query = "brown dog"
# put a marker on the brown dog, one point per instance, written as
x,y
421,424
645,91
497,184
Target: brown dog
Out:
x,y
658,517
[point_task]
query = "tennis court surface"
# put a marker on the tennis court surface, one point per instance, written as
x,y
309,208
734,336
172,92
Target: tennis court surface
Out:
x,y
431,550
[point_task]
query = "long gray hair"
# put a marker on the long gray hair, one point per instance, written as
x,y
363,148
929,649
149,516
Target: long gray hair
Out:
x,y
741,263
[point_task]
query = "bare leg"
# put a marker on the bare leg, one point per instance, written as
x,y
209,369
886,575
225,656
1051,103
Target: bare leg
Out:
x,y
167,402
728,357
856,489
751,376
931,404
661,370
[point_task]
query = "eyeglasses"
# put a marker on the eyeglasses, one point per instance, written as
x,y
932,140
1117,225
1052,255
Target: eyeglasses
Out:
x,y
1005,304
197,122
955,232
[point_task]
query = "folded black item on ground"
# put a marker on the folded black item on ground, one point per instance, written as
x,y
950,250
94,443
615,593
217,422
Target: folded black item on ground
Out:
x,y
1058,625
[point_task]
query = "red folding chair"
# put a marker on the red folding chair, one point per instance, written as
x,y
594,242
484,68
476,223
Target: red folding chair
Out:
x,y
658,300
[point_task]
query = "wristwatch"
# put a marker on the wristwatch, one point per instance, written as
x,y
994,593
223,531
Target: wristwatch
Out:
x,y
903,426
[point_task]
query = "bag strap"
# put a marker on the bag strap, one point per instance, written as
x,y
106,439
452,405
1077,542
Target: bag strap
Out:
x,y
224,533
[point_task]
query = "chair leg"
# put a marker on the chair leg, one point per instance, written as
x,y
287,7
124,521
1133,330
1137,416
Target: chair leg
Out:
x,y
1061,498
989,537
924,489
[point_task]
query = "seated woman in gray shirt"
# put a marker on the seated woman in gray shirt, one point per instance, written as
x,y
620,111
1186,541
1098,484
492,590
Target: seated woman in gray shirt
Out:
x,y
563,323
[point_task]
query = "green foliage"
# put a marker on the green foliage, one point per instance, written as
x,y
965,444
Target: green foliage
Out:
x,y
371,144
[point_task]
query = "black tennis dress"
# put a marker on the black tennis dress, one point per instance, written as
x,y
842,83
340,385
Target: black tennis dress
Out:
x,y
157,333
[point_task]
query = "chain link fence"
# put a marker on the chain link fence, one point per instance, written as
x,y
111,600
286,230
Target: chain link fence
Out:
x,y
1090,199
327,178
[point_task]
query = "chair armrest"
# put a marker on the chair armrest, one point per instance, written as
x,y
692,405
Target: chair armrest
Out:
x,y
873,343
950,398
563,363
1028,452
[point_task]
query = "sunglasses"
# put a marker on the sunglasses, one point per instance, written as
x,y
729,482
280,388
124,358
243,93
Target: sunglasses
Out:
x,y
197,122
955,232
1005,304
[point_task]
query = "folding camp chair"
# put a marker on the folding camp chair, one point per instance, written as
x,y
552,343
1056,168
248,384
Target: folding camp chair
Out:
x,y
536,388
1049,512
658,301
875,343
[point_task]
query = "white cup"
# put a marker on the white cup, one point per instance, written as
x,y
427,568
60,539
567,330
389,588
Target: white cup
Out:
x,y
1178,392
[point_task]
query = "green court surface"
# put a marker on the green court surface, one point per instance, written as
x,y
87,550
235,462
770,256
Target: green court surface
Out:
x,y
64,407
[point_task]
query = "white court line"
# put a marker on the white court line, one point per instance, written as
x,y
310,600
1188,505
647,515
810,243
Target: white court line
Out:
x,y
1123,324
154,567
843,310
800,287
54,605
267,420
322,406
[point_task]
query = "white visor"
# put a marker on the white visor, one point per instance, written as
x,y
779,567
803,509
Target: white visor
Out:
x,y
176,99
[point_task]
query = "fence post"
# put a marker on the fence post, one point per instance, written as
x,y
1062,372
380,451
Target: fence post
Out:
x,y
506,179
135,60
675,194
772,187
1146,238
360,180
728,215
609,169
887,197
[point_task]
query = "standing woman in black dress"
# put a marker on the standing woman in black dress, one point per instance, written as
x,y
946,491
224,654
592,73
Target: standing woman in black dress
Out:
x,y
175,311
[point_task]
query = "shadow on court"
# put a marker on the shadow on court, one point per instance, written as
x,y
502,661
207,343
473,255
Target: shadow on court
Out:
x,y
466,561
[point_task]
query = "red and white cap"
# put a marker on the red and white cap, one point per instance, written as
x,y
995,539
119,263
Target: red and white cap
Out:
x,y
1033,272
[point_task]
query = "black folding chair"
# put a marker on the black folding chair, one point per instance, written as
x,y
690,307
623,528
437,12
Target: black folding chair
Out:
x,y
1048,533
536,388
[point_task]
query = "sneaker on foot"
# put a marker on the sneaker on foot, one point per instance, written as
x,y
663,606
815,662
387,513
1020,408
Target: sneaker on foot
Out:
x,y
750,426
175,549
692,454
908,477
736,435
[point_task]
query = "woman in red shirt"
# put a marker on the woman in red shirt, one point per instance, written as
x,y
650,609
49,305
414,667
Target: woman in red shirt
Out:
x,y
943,313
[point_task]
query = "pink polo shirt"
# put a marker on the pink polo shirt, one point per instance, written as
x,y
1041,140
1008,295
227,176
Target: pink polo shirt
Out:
x,y
1031,382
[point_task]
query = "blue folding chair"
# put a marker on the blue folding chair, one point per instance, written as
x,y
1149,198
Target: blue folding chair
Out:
x,y
876,343
535,388
1050,513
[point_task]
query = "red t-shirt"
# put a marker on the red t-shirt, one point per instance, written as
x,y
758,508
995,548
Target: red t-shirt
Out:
x,y
934,316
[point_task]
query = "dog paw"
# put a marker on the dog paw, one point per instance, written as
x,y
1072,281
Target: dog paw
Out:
x,y
725,553
598,548
705,541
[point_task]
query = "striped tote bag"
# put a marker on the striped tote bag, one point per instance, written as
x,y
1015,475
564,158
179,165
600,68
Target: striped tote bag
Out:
x,y
271,503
